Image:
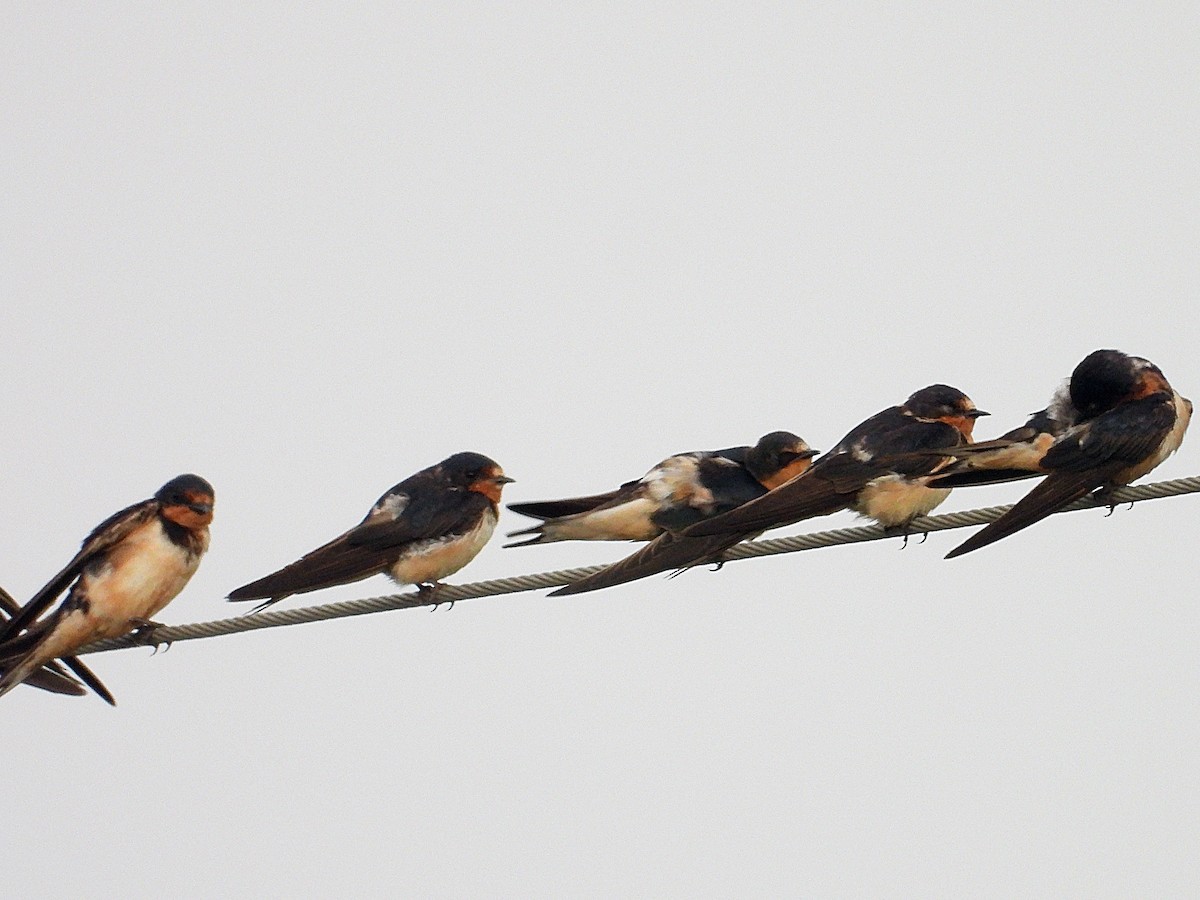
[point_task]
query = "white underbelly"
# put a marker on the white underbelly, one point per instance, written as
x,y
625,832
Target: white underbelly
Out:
x,y
140,577
434,560
894,500
627,522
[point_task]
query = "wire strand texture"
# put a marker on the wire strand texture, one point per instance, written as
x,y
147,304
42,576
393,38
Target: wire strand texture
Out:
x,y
748,550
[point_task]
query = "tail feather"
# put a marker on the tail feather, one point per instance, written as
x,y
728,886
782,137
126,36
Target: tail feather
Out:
x,y
18,672
539,537
22,659
89,678
275,588
13,650
1057,491
556,509
53,677
980,477
46,680
338,562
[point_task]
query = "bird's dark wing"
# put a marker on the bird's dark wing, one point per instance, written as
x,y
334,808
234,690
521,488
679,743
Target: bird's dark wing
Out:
x,y
371,546
103,538
1127,434
665,553
910,446
1051,495
427,515
895,433
52,677
1083,459
337,562
729,486
733,454
830,485
569,506
890,442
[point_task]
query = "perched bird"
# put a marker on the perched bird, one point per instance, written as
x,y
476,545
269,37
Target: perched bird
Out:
x,y
680,490
879,470
1128,420
130,567
422,530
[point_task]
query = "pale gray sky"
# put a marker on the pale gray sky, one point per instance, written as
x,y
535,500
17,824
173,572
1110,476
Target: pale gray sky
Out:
x,y
306,252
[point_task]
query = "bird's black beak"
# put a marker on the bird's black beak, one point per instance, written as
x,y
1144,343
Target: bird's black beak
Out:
x,y
201,508
976,413
503,479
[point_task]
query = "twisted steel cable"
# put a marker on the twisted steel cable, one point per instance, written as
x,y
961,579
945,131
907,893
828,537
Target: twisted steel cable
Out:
x,y
519,583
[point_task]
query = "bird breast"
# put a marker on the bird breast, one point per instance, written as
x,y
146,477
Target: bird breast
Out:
x,y
134,580
895,500
424,562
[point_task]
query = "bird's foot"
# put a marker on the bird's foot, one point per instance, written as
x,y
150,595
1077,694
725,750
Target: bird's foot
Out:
x,y
1106,495
904,532
428,591
144,631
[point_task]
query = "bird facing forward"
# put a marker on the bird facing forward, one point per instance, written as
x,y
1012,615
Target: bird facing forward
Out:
x,y
130,567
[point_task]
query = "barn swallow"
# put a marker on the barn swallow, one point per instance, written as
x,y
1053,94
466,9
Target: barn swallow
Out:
x,y
680,490
1129,420
424,529
130,567
878,470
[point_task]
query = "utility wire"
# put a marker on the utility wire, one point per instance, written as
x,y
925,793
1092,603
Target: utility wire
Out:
x,y
750,549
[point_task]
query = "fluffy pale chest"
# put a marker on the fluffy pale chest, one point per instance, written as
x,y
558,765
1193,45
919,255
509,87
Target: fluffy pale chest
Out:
x,y
895,500
135,580
424,562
